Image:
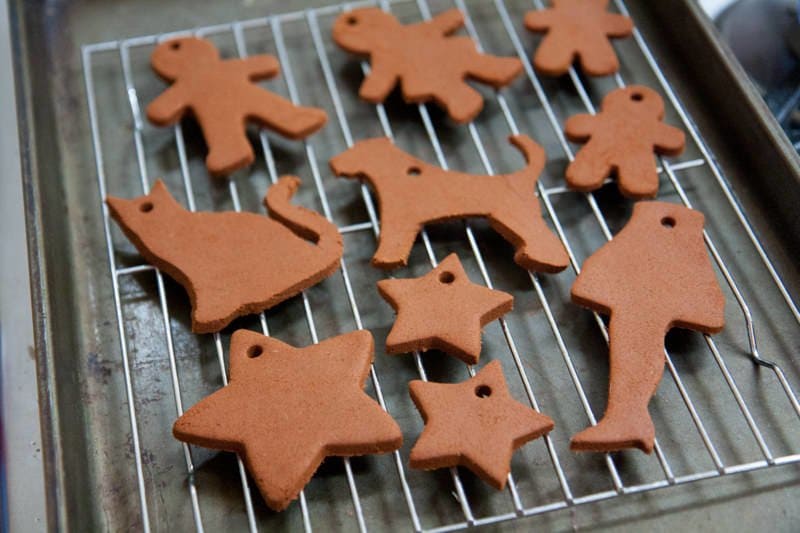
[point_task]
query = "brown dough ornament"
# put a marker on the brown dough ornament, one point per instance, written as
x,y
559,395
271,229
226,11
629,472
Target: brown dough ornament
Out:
x,y
222,97
621,140
476,424
577,29
442,310
286,409
428,63
653,276
232,264
412,193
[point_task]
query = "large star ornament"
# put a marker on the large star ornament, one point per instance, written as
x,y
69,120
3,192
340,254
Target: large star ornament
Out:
x,y
442,310
476,424
287,408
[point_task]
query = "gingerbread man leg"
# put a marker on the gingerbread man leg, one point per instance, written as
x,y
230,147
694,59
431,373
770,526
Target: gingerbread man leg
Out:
x,y
599,59
590,167
462,102
228,146
555,54
637,175
636,366
292,121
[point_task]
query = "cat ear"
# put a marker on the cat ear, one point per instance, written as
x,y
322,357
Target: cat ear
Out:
x,y
121,208
159,191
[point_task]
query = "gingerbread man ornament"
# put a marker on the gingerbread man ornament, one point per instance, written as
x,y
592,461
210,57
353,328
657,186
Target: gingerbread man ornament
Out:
x,y
222,97
577,29
621,140
428,63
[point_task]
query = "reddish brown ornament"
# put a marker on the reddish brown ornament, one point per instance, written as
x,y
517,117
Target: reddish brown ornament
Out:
x,y
577,29
442,310
286,409
653,276
476,424
621,140
232,264
412,193
426,62
221,95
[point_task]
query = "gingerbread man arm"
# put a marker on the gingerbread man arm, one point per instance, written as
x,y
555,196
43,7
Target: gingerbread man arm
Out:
x,y
616,25
669,140
580,127
168,107
379,82
447,22
539,20
260,67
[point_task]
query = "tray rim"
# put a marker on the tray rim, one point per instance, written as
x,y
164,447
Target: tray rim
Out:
x,y
57,511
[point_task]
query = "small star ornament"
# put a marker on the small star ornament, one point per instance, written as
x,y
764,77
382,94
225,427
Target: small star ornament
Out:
x,y
288,408
442,310
475,424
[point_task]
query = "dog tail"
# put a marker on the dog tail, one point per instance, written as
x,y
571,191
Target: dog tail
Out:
x,y
305,223
525,179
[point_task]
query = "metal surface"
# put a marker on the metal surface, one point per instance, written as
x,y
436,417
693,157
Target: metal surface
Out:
x,y
716,414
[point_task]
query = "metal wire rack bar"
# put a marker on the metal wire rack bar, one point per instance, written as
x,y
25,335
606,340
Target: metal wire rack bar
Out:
x,y
274,25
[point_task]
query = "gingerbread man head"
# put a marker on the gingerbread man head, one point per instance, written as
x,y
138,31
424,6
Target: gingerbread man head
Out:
x,y
360,30
636,100
171,59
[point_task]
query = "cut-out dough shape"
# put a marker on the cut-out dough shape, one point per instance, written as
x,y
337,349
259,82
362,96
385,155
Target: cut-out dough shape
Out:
x,y
286,409
423,58
476,424
232,264
412,193
652,276
621,140
221,95
577,29
442,310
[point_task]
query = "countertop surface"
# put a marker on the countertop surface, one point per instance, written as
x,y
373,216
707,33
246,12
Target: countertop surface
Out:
x,y
20,408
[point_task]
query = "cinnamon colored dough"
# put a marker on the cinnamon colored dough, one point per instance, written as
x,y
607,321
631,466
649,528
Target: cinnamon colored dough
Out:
x,y
653,276
412,193
621,140
221,95
232,264
577,29
423,58
476,424
442,310
286,409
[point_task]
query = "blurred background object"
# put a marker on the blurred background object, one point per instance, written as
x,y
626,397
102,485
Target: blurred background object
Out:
x,y
765,37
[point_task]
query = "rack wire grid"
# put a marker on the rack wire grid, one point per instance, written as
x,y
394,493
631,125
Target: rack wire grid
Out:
x,y
553,352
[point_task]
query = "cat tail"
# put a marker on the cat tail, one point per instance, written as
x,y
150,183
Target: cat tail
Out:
x,y
524,180
306,223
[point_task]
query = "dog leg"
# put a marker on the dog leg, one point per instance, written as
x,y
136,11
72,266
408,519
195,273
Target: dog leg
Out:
x,y
536,247
395,242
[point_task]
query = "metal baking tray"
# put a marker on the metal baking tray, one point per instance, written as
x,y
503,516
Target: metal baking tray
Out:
x,y
117,362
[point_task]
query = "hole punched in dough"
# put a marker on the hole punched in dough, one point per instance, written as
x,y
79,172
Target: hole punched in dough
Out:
x,y
255,351
146,207
483,391
447,277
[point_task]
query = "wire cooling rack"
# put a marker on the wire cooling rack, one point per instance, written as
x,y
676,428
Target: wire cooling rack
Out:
x,y
550,362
